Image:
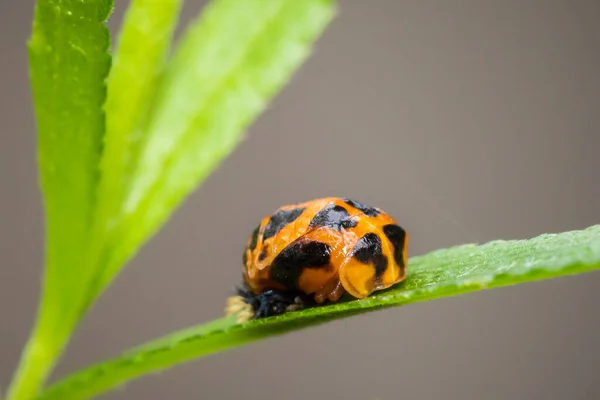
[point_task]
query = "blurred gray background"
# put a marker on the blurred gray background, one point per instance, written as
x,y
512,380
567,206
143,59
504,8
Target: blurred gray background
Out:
x,y
466,120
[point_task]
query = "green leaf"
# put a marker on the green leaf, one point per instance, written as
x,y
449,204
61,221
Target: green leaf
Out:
x,y
229,65
138,64
140,59
69,61
442,273
168,125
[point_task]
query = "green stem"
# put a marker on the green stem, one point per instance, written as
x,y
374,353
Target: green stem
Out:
x,y
37,361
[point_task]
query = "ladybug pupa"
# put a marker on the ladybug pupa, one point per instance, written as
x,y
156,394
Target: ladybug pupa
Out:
x,y
309,253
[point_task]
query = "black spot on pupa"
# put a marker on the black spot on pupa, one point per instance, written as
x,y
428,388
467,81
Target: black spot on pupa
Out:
x,y
369,211
245,258
334,216
291,261
254,240
263,254
396,235
368,250
279,220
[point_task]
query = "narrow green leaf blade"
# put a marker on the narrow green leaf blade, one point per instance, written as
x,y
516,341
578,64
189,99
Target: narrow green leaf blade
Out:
x,y
138,64
229,65
442,273
69,62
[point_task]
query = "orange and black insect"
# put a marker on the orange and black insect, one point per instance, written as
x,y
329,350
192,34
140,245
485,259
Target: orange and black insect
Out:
x,y
315,251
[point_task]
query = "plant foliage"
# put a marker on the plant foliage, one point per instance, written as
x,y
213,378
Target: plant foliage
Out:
x,y
115,163
448,272
123,140
69,62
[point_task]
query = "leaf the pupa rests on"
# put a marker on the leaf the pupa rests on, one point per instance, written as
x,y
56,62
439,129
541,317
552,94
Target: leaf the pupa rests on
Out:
x,y
448,272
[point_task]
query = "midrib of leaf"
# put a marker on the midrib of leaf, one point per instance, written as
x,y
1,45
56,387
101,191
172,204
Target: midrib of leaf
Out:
x,y
447,272
69,61
186,137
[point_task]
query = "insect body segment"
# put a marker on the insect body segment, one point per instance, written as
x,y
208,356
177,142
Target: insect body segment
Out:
x,y
316,251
